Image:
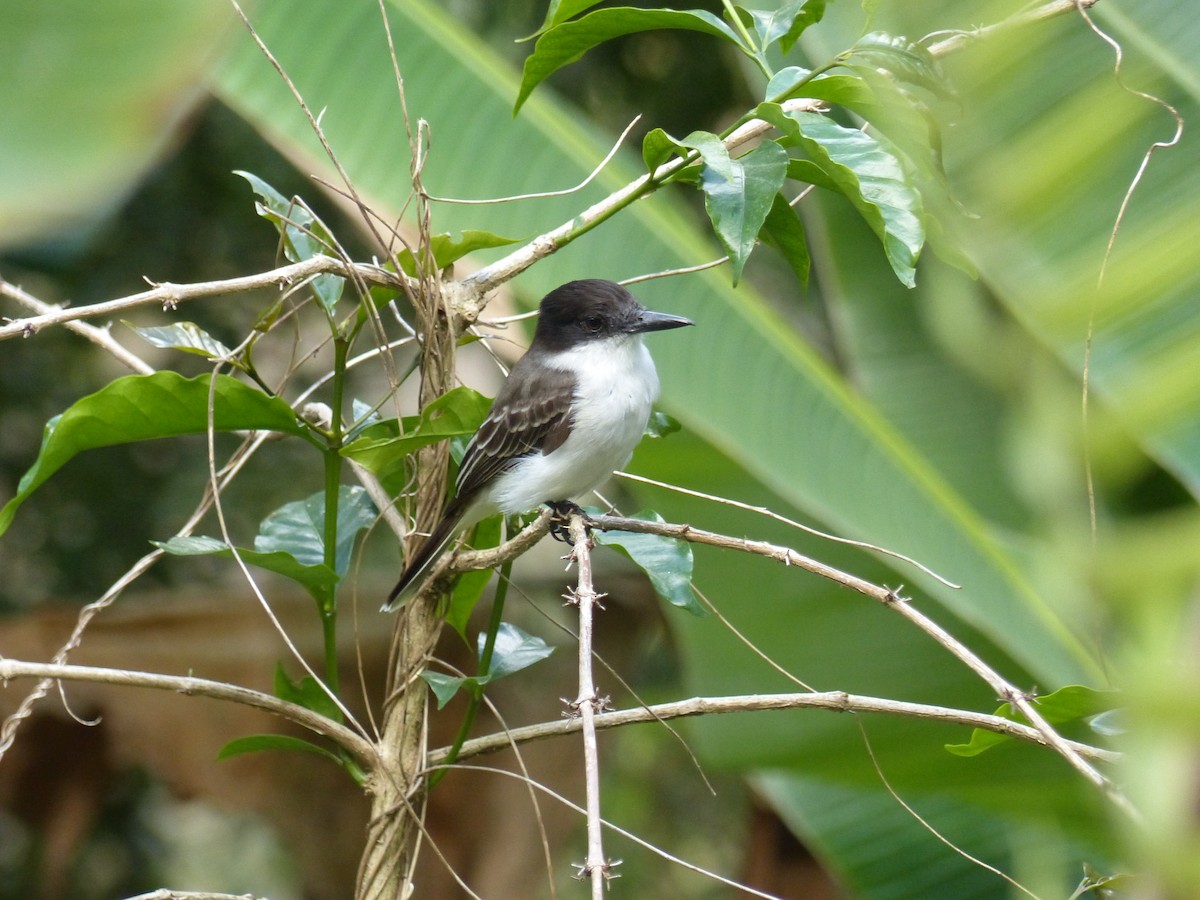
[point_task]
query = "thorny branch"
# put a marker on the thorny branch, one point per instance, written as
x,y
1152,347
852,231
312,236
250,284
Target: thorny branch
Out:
x,y
588,704
169,296
835,701
891,598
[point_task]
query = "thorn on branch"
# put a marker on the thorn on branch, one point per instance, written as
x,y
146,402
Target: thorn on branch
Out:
x,y
1012,697
583,871
895,595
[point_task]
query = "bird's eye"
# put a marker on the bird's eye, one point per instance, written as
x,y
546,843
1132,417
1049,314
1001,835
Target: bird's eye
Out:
x,y
593,323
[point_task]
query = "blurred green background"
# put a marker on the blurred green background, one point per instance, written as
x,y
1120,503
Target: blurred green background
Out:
x,y
945,422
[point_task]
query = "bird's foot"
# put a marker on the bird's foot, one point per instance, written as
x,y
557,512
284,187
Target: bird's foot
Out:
x,y
560,522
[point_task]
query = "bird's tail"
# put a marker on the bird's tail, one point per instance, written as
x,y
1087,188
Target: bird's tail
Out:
x,y
417,566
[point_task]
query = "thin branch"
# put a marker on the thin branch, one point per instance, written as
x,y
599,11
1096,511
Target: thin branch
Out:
x,y
771,514
960,39
495,274
588,703
167,894
359,747
98,336
891,598
170,295
835,701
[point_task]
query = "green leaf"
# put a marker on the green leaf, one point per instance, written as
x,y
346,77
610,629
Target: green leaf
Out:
x,y
660,425
1069,704
447,249
186,336
306,692
144,407
738,193
893,112
784,230
566,42
303,236
444,687
298,528
319,580
658,147
514,650
868,175
786,23
456,413
470,585
667,561
907,60
127,93
255,742
561,10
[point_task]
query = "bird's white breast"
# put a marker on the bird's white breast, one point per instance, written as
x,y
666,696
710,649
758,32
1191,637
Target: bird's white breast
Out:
x,y
616,388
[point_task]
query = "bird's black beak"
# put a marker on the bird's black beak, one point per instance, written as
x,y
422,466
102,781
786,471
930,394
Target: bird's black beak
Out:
x,y
656,321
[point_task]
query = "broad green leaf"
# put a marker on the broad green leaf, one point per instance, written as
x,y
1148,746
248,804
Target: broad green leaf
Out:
x,y
144,407
126,92
444,686
892,112
303,236
298,528
447,249
186,336
868,176
738,193
457,413
667,562
1072,703
256,742
306,692
906,60
513,651
785,24
877,849
658,147
559,11
784,230
566,42
319,580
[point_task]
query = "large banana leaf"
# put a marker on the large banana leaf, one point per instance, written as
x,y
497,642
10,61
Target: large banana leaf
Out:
x,y
768,420
90,95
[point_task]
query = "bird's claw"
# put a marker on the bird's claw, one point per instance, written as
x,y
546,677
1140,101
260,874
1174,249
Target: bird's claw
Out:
x,y
560,522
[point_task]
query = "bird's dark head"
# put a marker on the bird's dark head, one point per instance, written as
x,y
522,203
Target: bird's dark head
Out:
x,y
593,309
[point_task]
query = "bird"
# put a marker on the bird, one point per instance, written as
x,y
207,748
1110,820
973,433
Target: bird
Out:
x,y
572,410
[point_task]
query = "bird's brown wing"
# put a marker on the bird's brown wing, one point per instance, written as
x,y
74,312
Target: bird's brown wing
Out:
x,y
527,417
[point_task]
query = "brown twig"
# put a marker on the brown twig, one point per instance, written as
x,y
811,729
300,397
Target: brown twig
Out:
x,y
834,701
359,747
587,704
891,598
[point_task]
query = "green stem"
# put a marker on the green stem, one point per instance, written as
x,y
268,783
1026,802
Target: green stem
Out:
x,y
485,665
735,22
333,482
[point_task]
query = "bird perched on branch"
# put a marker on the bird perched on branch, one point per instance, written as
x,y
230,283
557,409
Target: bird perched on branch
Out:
x,y
571,411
